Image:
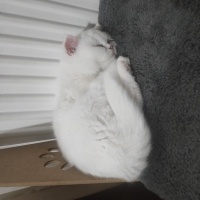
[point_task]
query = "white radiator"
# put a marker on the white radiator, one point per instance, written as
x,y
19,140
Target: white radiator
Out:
x,y
31,32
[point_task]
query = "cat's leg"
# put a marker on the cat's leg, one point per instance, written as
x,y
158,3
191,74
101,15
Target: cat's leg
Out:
x,y
124,71
124,106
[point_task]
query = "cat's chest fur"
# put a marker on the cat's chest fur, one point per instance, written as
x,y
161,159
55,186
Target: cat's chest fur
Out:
x,y
73,85
95,107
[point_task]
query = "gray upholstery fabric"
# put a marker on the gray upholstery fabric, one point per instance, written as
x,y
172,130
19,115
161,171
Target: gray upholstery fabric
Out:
x,y
162,39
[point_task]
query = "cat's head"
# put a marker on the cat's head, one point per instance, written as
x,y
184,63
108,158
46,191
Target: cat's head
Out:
x,y
92,44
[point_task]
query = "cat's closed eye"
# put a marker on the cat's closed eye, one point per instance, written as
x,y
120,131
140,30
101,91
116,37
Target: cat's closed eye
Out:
x,y
99,45
108,41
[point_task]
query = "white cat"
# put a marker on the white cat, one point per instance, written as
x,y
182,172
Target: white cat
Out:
x,y
99,123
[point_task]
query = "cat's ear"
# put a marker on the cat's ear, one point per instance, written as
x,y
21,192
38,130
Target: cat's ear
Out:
x,y
71,44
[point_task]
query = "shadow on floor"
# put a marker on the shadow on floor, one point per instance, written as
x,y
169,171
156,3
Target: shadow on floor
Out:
x,y
134,191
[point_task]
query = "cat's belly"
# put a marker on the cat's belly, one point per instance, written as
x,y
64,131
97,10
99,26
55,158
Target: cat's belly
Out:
x,y
86,130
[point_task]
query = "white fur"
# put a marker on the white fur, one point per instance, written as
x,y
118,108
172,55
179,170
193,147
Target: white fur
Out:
x,y
99,123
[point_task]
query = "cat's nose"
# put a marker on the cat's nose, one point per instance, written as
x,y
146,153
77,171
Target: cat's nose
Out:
x,y
110,46
113,45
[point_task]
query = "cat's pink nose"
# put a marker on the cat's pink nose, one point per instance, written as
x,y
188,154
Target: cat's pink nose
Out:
x,y
108,46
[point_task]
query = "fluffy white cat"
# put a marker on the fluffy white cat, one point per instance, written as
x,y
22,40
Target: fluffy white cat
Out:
x,y
99,122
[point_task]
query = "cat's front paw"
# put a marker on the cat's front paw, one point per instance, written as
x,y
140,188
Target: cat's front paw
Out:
x,y
124,62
